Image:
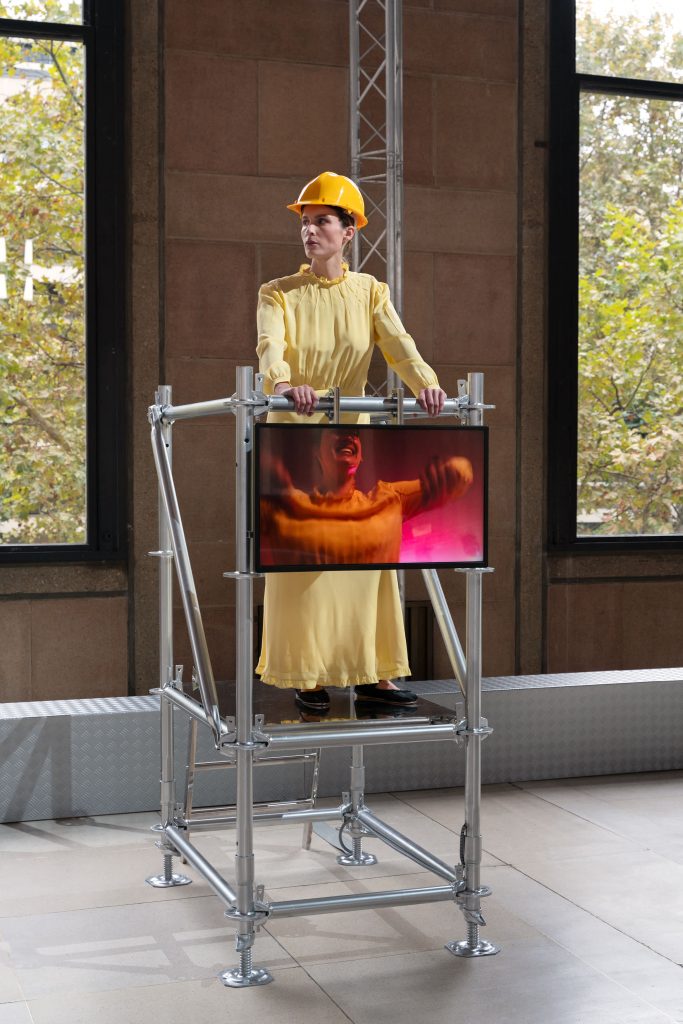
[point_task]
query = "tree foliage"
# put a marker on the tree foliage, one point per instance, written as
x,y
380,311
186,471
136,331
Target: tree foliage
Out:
x,y
630,459
42,356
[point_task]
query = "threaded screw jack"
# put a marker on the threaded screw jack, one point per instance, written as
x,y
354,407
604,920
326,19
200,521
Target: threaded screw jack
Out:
x,y
472,935
246,962
168,867
357,847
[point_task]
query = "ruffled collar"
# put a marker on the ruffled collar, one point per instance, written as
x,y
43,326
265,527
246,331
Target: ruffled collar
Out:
x,y
305,268
319,497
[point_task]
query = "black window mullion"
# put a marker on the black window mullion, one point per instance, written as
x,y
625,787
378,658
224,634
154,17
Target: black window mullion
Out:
x,y
43,29
638,87
106,312
563,261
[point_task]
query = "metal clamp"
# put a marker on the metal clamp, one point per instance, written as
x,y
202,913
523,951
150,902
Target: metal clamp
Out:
x,y
256,400
259,916
155,413
483,730
261,737
229,737
472,916
398,394
334,414
176,683
160,554
243,575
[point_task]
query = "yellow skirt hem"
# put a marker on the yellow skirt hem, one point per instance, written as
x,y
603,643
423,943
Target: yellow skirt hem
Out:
x,y
326,680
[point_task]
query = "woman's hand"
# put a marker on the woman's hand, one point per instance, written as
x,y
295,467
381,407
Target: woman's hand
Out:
x,y
275,478
445,479
303,396
432,399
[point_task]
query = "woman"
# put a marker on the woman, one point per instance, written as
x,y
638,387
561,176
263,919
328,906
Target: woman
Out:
x,y
317,329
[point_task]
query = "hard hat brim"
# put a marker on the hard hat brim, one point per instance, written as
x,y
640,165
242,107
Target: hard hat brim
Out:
x,y
360,219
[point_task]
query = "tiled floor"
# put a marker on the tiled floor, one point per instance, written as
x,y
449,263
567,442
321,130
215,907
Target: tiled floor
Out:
x,y
587,905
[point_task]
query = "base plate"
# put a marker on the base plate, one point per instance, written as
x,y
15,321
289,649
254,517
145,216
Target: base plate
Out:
x,y
235,979
349,861
161,882
463,948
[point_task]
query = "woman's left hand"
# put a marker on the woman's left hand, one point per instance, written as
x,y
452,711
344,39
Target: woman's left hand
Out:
x,y
432,399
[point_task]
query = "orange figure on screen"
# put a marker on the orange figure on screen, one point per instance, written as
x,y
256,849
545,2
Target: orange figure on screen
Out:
x,y
339,524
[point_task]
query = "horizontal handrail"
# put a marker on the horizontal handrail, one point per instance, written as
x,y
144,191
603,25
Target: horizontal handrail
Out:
x,y
261,403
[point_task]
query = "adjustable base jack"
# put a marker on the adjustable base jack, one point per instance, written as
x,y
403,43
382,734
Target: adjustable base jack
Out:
x,y
353,860
482,948
473,945
235,979
168,878
246,975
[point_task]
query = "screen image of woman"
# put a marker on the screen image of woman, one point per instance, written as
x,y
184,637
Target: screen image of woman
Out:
x,y
338,522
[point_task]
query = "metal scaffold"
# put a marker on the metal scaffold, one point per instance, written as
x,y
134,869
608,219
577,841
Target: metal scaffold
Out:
x,y
243,739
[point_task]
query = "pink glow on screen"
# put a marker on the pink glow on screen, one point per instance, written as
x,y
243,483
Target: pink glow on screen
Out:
x,y
427,538
452,533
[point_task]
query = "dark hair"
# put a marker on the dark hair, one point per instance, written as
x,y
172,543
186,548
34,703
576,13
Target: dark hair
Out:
x,y
346,219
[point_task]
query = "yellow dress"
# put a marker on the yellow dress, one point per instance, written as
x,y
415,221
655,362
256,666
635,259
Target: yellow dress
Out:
x,y
340,628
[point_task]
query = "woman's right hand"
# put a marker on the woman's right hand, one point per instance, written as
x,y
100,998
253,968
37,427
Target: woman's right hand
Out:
x,y
303,396
445,479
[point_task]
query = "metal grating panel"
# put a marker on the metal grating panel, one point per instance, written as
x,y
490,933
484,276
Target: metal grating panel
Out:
x,y
101,756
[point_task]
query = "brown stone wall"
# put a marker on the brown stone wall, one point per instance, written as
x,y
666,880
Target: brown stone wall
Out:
x,y
64,632
614,612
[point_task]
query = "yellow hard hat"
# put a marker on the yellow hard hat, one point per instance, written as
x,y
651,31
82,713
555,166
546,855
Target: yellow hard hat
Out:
x,y
330,189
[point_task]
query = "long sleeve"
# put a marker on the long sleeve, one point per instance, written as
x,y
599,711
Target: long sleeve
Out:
x,y
272,344
397,346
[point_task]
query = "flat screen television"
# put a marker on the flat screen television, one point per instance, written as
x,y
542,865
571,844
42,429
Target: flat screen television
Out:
x,y
338,496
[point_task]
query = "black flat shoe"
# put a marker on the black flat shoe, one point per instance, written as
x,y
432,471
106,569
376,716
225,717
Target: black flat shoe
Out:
x,y
399,698
316,700
313,716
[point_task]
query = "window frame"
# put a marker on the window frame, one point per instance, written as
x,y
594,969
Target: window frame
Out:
x,y
101,33
566,85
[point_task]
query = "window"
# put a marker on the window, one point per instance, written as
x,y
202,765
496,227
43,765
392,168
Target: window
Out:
x,y
61,373
616,289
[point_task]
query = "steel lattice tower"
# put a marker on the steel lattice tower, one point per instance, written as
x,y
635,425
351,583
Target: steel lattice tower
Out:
x,y
376,124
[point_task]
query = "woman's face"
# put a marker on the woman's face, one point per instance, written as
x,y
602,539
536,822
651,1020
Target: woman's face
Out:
x,y
340,453
322,232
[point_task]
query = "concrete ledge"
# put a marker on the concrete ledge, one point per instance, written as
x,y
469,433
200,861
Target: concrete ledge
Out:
x,y
71,758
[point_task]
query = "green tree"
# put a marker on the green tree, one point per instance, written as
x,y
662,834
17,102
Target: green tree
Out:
x,y
630,458
42,357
